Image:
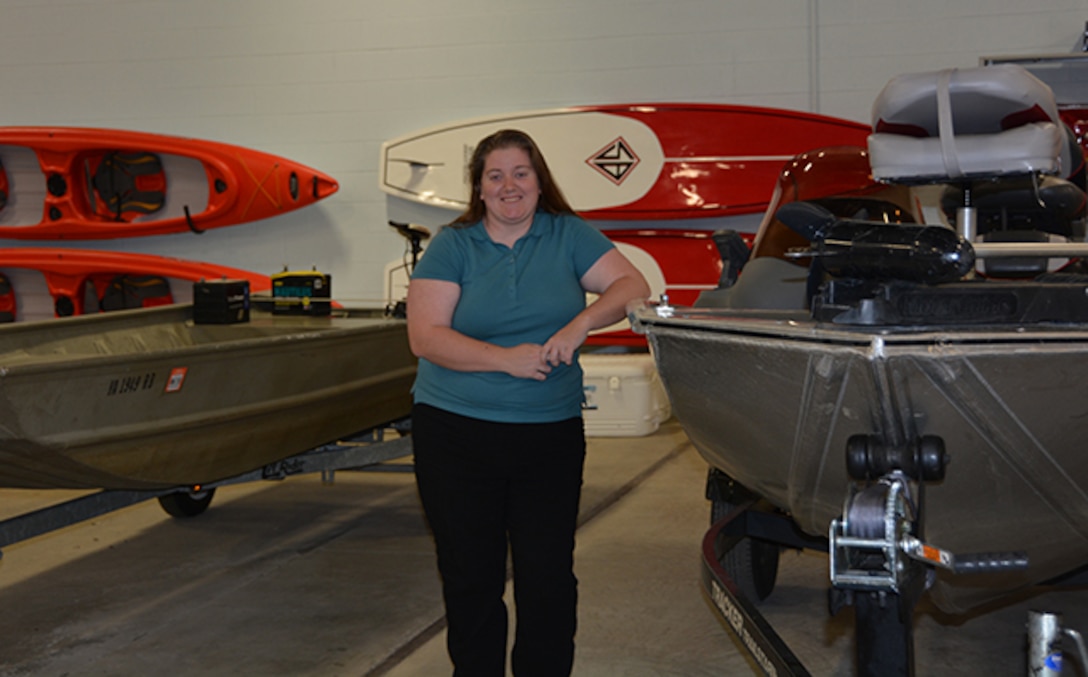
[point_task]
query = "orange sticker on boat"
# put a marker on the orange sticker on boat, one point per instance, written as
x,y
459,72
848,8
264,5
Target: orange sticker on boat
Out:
x,y
176,379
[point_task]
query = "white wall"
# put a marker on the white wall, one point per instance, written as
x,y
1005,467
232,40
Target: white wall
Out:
x,y
324,82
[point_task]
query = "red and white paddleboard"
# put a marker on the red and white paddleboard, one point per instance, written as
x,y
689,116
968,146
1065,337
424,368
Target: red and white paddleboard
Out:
x,y
645,161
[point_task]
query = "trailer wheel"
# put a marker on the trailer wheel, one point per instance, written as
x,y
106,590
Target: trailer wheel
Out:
x,y
186,503
752,563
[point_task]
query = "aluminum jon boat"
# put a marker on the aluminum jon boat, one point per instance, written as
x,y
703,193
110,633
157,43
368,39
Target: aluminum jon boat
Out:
x,y
147,399
915,393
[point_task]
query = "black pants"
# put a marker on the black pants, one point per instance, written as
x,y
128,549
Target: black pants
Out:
x,y
485,486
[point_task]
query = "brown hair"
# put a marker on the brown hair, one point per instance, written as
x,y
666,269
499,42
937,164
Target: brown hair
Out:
x,y
551,198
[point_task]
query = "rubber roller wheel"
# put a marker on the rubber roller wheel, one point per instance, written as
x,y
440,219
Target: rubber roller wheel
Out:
x,y
752,563
186,503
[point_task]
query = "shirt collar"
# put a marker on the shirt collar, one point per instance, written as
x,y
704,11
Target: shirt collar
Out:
x,y
543,222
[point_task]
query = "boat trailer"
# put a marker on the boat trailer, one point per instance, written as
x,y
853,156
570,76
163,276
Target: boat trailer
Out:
x,y
878,563
366,450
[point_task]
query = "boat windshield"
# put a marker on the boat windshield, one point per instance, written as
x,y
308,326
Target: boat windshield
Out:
x,y
840,179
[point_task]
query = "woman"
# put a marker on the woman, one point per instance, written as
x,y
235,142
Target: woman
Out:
x,y
496,313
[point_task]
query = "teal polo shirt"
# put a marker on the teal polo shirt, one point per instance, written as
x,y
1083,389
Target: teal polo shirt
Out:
x,y
511,296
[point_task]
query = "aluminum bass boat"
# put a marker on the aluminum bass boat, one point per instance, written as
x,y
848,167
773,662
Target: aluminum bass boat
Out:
x,y
889,383
148,399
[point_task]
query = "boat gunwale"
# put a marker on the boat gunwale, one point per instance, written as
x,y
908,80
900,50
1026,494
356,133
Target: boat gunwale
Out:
x,y
798,326
308,333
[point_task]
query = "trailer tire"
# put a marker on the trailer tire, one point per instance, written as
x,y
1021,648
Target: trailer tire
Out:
x,y
752,563
183,504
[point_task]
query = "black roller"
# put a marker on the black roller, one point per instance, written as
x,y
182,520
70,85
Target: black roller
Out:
x,y
924,460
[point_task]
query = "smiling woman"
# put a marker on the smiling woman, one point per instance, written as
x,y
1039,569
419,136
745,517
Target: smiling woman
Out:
x,y
496,313
510,192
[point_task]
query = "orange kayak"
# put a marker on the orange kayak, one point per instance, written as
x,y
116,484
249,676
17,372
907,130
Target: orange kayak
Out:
x,y
79,279
78,183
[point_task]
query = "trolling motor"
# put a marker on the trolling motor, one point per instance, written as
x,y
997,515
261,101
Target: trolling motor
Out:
x,y
873,250
415,234
871,273
879,562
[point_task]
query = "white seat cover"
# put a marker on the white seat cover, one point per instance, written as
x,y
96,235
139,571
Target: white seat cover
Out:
x,y
964,123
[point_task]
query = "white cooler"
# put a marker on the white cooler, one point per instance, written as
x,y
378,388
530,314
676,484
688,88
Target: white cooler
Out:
x,y
624,396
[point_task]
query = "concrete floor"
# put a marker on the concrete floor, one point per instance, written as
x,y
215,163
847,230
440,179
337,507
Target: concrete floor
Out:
x,y
302,578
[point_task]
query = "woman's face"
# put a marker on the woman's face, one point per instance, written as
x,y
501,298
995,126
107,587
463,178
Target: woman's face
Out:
x,y
509,186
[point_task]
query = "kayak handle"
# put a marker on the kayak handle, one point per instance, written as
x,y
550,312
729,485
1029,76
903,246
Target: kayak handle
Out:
x,y
189,220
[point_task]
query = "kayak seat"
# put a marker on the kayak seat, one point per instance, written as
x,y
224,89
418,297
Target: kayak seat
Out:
x,y
134,291
129,185
962,124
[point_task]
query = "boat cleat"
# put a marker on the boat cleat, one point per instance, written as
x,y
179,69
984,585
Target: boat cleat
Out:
x,y
664,309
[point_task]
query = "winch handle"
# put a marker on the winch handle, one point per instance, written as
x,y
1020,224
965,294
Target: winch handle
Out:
x,y
990,562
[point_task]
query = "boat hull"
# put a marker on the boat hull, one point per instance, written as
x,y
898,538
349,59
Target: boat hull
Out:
x,y
771,400
146,399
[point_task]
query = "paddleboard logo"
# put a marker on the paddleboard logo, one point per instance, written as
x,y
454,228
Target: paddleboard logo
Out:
x,y
615,161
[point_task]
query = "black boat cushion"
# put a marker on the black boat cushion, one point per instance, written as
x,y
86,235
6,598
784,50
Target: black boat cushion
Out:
x,y
135,291
129,185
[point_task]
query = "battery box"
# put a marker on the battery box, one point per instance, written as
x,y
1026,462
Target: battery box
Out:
x,y
221,301
301,293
